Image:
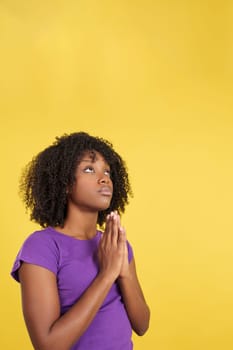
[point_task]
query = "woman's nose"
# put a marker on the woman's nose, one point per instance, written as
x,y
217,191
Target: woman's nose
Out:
x,y
104,179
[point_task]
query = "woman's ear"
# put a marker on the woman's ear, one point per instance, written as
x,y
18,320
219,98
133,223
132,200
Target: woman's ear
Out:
x,y
68,190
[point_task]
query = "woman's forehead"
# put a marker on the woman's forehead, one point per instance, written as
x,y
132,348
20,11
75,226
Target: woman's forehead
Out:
x,y
92,155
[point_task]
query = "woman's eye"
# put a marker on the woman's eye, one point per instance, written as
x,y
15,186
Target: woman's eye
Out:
x,y
107,172
89,169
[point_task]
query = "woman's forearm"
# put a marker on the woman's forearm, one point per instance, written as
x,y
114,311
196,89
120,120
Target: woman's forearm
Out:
x,y
135,304
74,322
48,330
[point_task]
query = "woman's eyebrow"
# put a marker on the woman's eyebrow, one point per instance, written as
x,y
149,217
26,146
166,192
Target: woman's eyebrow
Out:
x,y
87,160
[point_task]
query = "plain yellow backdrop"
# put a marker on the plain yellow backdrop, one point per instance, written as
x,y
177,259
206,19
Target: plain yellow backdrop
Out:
x,y
155,78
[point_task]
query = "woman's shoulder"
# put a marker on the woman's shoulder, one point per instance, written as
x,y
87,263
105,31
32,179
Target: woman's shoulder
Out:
x,y
39,248
41,236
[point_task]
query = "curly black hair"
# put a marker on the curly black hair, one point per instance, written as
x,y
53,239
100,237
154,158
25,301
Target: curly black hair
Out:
x,y
44,181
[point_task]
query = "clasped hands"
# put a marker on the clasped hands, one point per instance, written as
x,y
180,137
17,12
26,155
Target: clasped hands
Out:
x,y
113,251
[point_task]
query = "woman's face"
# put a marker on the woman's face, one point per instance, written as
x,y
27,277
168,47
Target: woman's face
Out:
x,y
93,187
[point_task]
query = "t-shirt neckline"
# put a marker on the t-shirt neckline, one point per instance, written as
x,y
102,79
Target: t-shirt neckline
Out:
x,y
52,229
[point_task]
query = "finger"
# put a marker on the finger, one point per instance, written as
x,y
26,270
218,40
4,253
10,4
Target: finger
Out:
x,y
122,233
121,239
107,224
115,228
119,219
104,237
124,243
125,239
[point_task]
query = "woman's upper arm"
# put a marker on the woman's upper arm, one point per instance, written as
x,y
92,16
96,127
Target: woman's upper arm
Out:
x,y
40,301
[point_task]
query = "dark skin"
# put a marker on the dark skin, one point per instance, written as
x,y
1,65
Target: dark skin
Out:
x,y
48,330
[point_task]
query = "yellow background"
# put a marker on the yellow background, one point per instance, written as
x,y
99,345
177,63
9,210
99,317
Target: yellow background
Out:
x,y
155,78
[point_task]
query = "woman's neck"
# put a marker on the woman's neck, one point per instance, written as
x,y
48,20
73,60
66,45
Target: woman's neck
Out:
x,y
80,225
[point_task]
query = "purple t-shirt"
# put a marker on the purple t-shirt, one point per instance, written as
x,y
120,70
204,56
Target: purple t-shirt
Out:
x,y
74,262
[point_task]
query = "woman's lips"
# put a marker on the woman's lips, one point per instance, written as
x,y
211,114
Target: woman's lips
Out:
x,y
105,191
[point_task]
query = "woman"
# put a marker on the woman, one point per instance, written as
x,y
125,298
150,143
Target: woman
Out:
x,y
79,285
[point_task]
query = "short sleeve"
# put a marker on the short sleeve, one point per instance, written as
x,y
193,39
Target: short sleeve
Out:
x,y
130,252
38,249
